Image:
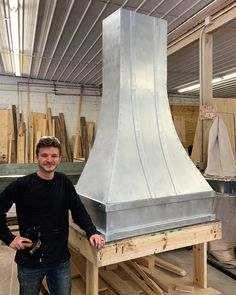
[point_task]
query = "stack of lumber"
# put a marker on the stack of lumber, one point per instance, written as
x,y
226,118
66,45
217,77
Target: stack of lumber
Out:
x,y
148,276
18,141
41,124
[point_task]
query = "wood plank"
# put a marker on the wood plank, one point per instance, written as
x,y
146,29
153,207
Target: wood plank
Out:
x,y
32,138
79,262
91,279
68,148
200,264
84,137
27,125
179,123
53,127
184,288
49,121
144,245
197,144
10,135
21,141
136,279
78,287
59,134
64,155
224,105
157,277
170,267
9,149
156,289
187,116
41,126
14,135
206,68
148,261
39,129
4,136
200,144
26,140
78,131
119,285
77,150
90,133
56,127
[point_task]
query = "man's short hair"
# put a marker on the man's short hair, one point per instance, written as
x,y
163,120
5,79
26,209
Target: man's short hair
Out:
x,y
48,141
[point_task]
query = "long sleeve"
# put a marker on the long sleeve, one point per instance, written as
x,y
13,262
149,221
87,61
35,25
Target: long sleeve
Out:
x,y
80,214
6,201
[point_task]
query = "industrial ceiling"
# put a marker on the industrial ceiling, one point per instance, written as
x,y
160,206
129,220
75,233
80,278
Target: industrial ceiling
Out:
x,y
61,40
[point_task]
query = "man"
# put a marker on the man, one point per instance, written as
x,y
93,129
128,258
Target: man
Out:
x,y
42,201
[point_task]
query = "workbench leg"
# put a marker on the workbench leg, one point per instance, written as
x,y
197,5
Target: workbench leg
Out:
x,y
200,265
91,278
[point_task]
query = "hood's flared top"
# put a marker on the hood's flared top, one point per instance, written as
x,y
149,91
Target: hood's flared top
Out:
x,y
137,153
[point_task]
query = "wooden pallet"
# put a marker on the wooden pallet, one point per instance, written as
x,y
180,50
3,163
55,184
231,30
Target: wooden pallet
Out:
x,y
140,246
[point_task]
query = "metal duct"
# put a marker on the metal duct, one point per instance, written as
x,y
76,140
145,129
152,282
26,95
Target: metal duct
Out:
x,y
138,178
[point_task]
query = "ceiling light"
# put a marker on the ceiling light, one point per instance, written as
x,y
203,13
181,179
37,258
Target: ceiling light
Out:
x,y
189,88
214,81
14,25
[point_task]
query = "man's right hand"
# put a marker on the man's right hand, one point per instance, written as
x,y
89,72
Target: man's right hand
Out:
x,y
18,243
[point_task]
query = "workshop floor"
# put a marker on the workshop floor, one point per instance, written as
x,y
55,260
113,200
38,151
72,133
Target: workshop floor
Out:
x,y
182,257
216,279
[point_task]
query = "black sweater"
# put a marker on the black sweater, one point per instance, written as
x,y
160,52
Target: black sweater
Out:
x,y
42,208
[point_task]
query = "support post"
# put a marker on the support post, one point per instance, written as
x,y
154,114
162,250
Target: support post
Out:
x,y
91,278
200,265
206,69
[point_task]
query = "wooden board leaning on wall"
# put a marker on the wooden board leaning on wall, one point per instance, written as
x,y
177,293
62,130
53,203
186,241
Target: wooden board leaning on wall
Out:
x,y
16,147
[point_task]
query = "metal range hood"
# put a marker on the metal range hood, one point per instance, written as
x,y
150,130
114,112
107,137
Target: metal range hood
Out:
x,y
138,178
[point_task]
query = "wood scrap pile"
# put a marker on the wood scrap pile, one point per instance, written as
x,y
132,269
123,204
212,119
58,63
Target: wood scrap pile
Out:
x,y
19,139
148,276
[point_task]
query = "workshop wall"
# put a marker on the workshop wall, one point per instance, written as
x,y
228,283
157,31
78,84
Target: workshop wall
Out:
x,y
37,98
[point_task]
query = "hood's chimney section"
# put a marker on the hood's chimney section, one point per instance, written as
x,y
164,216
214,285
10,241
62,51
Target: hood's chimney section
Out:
x,y
138,177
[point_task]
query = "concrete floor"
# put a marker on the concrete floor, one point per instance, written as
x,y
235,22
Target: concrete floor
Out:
x,y
216,279
182,257
8,272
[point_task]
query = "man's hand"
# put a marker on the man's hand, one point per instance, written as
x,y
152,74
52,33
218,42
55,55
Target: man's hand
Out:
x,y
97,241
17,243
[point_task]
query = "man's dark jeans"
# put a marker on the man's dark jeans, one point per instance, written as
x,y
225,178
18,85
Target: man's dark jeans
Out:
x,y
58,279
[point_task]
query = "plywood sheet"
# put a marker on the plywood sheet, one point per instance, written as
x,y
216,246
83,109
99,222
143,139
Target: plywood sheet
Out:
x,y
185,121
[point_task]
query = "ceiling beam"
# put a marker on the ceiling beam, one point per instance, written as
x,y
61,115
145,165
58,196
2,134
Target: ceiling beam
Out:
x,y
218,20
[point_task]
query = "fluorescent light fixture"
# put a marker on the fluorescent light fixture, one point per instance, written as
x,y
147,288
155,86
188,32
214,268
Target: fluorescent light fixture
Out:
x,y
214,81
189,88
13,8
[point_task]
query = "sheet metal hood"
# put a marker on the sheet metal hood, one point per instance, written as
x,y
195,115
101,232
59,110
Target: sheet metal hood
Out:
x,y
138,177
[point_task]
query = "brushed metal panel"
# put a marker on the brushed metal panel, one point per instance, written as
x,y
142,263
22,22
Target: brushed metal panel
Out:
x,y
137,156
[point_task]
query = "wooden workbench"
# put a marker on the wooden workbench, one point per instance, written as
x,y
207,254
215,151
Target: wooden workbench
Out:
x,y
144,245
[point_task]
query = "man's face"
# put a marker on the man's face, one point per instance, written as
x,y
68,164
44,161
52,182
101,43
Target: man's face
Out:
x,y
48,159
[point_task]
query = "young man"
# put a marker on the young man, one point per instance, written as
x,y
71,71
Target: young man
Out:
x,y
42,201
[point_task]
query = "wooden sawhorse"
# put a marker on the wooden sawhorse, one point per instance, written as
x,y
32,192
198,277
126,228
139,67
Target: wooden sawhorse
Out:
x,y
144,245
